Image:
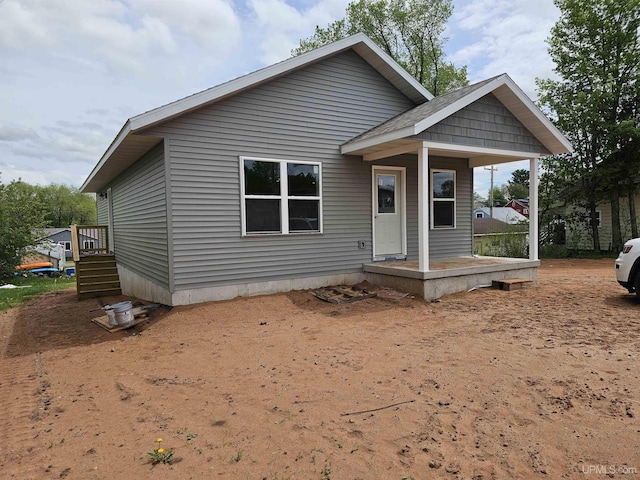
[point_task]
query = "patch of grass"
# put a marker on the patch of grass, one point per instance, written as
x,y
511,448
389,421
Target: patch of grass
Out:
x,y
14,297
325,473
237,457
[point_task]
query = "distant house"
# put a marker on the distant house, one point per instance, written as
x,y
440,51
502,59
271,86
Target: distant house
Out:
x,y
520,205
61,236
504,214
578,235
333,166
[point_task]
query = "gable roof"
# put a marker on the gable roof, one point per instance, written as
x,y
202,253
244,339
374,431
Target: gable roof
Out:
x,y
48,232
426,115
127,147
504,214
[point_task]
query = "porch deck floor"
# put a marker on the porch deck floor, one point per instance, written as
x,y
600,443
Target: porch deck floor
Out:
x,y
453,262
448,275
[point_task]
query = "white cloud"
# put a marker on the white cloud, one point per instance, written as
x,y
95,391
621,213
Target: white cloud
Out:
x,y
505,36
72,71
281,25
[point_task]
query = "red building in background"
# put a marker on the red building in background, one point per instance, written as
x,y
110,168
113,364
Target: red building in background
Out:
x,y
521,206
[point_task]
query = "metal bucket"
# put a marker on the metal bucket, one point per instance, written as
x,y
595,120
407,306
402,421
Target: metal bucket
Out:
x,y
123,313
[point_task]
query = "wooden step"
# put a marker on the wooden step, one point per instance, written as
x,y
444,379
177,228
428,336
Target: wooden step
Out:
x,y
100,277
99,293
84,286
97,275
511,284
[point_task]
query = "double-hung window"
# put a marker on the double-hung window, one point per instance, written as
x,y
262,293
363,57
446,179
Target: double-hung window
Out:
x,y
280,197
443,198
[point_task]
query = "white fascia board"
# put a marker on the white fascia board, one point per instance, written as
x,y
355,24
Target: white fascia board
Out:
x,y
548,124
448,147
373,141
437,117
252,79
122,135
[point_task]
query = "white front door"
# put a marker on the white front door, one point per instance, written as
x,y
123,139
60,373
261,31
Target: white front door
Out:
x,y
388,212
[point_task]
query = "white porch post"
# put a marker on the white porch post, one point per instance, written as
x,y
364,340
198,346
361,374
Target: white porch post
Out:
x,y
423,208
533,209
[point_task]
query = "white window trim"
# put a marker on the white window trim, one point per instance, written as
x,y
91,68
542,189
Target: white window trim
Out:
x,y
87,244
454,199
479,215
599,213
283,197
65,246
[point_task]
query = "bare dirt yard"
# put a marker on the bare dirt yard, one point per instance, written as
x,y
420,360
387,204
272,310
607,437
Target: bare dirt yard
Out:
x,y
537,383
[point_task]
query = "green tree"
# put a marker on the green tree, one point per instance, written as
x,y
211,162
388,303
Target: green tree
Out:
x,y
67,205
499,196
516,191
410,31
520,176
21,215
595,48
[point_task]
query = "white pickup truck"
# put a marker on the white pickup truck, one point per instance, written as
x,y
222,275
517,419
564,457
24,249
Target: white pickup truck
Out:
x,y
628,266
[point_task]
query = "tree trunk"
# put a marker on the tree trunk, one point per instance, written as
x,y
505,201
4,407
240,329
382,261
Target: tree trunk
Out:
x,y
632,214
616,234
595,234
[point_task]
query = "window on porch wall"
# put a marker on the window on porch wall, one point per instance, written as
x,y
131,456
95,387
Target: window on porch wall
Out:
x,y
443,198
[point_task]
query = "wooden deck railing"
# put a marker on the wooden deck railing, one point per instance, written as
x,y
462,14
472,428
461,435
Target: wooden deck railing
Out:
x,y
89,240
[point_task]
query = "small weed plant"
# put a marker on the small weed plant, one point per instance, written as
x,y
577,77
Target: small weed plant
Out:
x,y
159,455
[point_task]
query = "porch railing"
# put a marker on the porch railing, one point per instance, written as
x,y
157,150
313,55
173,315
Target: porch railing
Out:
x,y
89,240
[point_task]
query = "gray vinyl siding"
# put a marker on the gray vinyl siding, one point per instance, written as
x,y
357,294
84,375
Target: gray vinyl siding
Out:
x,y
447,242
102,208
140,218
305,115
443,243
485,123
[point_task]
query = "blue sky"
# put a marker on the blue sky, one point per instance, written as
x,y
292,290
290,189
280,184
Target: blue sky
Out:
x,y
73,71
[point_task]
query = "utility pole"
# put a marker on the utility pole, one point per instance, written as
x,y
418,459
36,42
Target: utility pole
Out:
x,y
491,169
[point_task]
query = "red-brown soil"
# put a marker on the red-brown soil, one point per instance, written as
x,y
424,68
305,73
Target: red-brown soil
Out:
x,y
537,383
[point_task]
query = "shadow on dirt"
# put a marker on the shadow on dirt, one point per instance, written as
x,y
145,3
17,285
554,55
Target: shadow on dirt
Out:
x,y
59,320
624,300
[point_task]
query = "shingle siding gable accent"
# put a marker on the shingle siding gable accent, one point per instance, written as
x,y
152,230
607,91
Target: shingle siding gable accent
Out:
x,y
484,123
140,218
305,115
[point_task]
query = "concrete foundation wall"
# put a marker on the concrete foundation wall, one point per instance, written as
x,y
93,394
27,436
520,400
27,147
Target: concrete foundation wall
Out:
x,y
227,292
134,285
433,288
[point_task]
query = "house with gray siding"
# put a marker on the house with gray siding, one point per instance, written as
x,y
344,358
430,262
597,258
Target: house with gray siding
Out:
x,y
330,167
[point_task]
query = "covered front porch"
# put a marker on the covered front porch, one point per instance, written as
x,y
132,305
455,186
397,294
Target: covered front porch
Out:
x,y
485,124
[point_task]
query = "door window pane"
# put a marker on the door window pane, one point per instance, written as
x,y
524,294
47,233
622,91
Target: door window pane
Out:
x,y
303,215
262,215
261,178
386,194
303,180
444,185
